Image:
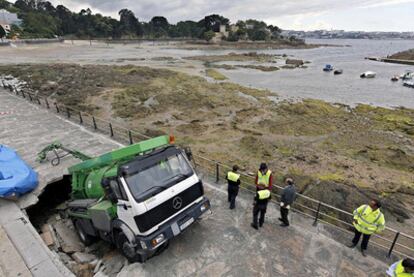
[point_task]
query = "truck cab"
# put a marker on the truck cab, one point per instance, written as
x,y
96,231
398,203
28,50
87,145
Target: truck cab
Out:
x,y
138,197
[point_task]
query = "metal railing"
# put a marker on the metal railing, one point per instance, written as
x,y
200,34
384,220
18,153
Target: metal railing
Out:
x,y
392,241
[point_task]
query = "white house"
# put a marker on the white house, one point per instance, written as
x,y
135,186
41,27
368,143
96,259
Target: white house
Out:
x,y
7,19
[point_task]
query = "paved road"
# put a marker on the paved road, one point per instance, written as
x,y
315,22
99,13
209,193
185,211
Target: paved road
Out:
x,y
223,244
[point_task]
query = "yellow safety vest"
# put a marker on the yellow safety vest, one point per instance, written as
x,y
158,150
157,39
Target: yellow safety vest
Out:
x,y
264,194
231,176
368,221
263,180
399,271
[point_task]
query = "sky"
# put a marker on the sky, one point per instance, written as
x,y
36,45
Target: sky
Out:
x,y
350,15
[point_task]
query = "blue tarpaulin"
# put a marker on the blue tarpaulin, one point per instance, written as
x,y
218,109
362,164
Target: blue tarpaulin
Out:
x,y
16,177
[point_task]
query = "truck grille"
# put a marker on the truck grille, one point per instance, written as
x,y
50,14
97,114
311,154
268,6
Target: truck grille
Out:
x,y
157,215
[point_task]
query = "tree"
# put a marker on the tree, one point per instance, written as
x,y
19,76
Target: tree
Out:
x,y
4,4
159,26
129,24
209,35
212,22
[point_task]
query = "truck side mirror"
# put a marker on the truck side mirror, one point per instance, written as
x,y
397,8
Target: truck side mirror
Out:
x,y
188,153
111,189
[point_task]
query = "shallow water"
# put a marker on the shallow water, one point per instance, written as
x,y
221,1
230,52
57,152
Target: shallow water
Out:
x,y
347,88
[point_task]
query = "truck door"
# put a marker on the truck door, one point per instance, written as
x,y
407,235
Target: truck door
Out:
x,y
124,208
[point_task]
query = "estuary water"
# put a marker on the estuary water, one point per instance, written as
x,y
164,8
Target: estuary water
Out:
x,y
347,88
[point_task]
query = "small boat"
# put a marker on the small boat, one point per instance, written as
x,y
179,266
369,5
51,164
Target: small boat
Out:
x,y
409,84
395,78
338,71
368,74
16,177
408,75
328,68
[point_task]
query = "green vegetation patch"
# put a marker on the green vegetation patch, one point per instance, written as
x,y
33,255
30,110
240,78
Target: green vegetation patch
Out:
x,y
216,75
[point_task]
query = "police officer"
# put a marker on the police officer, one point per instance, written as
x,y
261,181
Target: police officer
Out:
x,y
368,219
402,268
259,207
233,180
264,178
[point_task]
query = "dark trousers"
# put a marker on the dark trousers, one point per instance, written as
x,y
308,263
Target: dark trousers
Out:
x,y
284,215
259,209
365,239
232,194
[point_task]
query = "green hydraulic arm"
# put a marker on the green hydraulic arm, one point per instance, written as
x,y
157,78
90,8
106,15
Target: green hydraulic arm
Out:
x,y
53,147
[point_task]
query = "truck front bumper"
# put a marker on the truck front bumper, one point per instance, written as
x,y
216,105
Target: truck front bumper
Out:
x,y
174,226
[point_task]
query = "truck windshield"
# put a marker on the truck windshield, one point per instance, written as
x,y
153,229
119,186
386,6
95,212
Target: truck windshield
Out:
x,y
159,176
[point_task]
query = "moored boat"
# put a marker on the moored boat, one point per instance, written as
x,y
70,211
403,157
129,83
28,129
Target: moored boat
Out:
x,y
368,74
409,84
408,75
395,78
328,68
338,72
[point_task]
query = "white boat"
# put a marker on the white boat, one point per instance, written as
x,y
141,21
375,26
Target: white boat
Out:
x,y
368,74
408,75
409,84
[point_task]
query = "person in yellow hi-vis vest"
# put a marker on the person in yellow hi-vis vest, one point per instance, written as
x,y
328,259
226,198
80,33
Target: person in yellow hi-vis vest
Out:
x,y
260,206
233,180
264,178
368,219
402,268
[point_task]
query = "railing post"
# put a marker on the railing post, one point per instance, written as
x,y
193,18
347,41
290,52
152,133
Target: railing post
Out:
x,y
94,123
130,137
80,118
47,103
24,96
57,107
68,112
38,101
30,97
393,244
217,172
317,214
111,130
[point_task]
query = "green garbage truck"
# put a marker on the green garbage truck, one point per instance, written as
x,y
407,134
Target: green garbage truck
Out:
x,y
137,197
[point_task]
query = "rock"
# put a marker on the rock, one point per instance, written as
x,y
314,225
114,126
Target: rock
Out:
x,y
294,62
83,258
70,243
47,238
114,265
98,266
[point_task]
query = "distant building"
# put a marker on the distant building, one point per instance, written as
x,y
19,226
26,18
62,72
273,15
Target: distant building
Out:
x,y
7,19
222,34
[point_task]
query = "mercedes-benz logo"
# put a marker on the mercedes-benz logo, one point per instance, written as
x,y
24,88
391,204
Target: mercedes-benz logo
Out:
x,y
177,202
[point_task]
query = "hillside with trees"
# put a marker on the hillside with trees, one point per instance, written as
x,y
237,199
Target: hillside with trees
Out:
x,y
40,19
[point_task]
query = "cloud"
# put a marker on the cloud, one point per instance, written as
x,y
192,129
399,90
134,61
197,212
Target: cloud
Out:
x,y
289,13
176,10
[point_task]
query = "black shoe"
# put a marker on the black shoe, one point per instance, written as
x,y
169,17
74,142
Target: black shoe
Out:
x,y
232,207
352,245
284,225
260,224
254,226
280,219
363,253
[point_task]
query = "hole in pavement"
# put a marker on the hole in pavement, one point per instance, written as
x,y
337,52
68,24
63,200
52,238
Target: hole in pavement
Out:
x,y
55,193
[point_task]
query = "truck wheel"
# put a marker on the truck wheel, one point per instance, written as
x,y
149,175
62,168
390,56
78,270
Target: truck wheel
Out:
x,y
84,237
127,249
